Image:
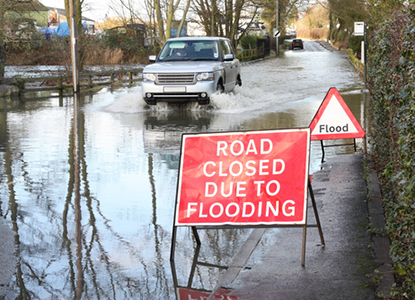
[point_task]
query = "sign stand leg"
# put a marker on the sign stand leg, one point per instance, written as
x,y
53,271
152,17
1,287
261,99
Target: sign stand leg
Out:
x,y
304,243
313,201
322,147
320,231
322,150
194,264
173,273
196,234
173,243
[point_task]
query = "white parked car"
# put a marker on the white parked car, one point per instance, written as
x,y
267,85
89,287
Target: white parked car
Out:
x,y
191,69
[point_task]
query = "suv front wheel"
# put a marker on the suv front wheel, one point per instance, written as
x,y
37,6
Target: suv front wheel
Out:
x,y
239,80
219,87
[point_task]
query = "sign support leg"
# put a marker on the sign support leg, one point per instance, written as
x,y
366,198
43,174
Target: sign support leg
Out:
x,y
313,201
196,234
320,231
304,243
173,243
194,264
322,150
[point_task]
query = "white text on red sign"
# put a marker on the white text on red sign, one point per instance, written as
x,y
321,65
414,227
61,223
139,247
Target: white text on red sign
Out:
x,y
246,178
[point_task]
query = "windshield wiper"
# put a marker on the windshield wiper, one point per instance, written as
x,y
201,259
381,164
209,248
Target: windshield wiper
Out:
x,y
202,58
176,59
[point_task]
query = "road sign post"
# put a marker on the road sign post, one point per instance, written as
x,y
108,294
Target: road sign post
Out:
x,y
277,34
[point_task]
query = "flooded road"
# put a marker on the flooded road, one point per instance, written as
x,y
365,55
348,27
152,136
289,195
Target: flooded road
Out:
x,y
90,196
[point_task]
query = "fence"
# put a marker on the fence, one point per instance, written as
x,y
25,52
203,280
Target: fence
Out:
x,y
64,83
249,54
262,49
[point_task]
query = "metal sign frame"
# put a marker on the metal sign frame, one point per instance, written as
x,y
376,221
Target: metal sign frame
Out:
x,y
304,224
304,237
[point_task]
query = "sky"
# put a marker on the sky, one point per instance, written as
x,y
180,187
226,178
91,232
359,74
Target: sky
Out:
x,y
96,10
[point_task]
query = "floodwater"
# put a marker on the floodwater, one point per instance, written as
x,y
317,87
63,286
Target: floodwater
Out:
x,y
89,187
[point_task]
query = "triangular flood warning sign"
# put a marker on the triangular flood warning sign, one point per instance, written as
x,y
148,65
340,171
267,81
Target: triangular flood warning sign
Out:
x,y
334,120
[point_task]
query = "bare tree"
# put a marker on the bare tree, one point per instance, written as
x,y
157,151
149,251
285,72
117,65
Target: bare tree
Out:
x,y
171,8
183,19
288,12
225,17
160,15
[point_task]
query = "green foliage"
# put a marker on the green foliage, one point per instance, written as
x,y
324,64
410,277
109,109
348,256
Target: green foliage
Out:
x,y
22,35
128,40
392,114
355,43
248,41
382,9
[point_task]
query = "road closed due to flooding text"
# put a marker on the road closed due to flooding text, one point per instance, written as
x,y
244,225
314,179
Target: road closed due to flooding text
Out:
x,y
257,177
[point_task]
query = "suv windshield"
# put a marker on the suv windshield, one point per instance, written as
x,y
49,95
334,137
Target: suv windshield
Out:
x,y
189,50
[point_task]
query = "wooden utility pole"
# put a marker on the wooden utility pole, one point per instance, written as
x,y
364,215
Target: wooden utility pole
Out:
x,y
74,47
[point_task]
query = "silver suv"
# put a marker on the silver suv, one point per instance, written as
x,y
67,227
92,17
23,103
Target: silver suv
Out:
x,y
191,69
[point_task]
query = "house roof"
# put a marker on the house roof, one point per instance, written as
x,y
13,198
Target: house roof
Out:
x,y
30,5
62,12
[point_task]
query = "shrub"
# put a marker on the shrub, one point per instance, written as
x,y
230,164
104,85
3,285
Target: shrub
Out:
x,y
248,41
355,43
392,115
128,40
93,51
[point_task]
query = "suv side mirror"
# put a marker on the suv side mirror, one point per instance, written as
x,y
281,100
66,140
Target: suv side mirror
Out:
x,y
228,57
152,58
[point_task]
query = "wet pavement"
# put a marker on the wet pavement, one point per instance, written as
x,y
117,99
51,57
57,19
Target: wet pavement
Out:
x,y
269,266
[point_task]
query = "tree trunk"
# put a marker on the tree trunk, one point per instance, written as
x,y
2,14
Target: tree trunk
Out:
x,y
212,18
184,17
2,50
229,17
159,16
81,34
169,20
238,8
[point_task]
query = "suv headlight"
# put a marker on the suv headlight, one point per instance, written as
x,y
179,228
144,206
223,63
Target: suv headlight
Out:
x,y
205,76
149,77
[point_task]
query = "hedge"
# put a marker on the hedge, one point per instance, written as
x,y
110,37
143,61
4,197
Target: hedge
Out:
x,y
392,118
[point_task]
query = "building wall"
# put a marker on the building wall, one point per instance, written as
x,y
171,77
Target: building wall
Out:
x,y
41,17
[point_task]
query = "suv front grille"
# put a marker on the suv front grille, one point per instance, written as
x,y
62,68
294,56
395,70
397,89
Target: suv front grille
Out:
x,y
175,78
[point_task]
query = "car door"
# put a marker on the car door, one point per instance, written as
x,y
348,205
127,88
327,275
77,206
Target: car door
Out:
x,y
231,67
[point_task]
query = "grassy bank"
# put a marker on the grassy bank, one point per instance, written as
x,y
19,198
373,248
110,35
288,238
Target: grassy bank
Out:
x,y
104,50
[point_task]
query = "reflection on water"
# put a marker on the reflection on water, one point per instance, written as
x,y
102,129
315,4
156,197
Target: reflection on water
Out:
x,y
89,184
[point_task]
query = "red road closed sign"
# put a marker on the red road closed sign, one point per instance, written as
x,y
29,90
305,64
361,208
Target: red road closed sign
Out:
x,y
243,178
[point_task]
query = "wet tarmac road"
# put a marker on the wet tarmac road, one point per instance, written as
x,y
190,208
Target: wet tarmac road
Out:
x,y
97,223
